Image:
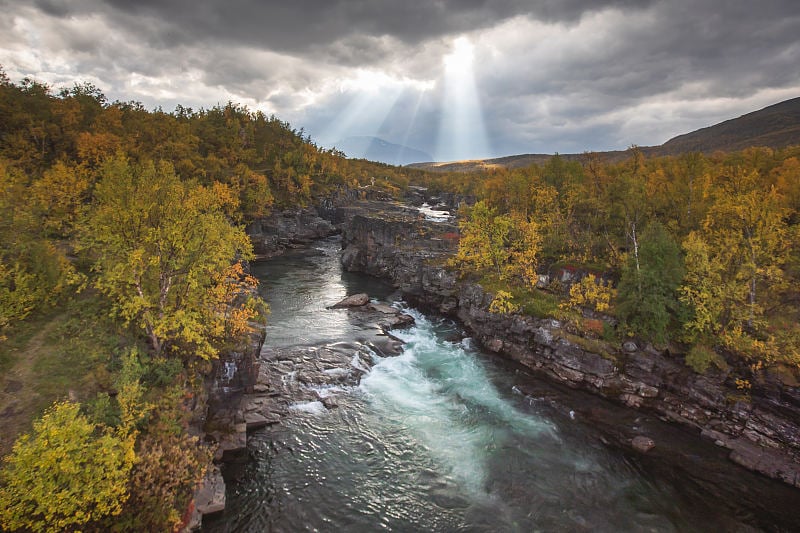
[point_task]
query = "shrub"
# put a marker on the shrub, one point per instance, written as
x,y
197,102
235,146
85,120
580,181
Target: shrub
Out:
x,y
701,357
503,302
64,476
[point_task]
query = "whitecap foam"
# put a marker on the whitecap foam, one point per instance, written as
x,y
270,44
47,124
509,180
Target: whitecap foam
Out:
x,y
324,391
314,408
441,394
336,372
358,364
433,215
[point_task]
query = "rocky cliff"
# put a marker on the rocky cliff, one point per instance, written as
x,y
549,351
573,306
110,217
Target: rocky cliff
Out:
x,y
761,429
219,419
289,228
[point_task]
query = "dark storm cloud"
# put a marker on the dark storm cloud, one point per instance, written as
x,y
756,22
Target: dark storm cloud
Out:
x,y
552,75
645,75
302,25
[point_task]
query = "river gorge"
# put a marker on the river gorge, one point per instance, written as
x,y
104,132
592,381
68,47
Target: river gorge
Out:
x,y
422,428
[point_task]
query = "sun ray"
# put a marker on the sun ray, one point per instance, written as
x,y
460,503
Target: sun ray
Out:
x,y
372,96
462,133
400,122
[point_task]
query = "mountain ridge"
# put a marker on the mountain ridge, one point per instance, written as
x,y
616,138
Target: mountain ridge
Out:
x,y
774,126
377,149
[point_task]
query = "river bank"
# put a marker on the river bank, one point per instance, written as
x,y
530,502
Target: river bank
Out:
x,y
761,432
397,243
445,436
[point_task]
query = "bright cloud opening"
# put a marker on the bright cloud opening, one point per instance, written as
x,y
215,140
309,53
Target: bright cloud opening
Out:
x,y
460,60
371,96
462,134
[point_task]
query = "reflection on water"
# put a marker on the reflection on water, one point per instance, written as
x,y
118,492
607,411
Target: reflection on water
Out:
x,y
301,285
436,439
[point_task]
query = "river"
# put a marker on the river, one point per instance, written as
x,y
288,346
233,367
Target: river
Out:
x,y
442,438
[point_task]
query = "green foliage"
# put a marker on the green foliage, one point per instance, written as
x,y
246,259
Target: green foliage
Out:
x,y
529,301
77,351
609,334
162,372
64,475
170,462
130,393
736,215
736,268
702,289
525,242
58,198
19,294
541,304
159,243
484,237
508,245
592,292
151,196
142,203
163,480
647,300
701,357
33,272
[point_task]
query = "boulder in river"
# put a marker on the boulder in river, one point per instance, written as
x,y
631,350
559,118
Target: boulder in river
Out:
x,y
356,300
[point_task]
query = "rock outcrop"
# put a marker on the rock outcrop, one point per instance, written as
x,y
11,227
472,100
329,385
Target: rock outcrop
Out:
x,y
291,228
762,429
356,300
310,377
218,418
259,386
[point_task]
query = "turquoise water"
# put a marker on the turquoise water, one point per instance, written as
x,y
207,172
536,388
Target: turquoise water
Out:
x,y
438,439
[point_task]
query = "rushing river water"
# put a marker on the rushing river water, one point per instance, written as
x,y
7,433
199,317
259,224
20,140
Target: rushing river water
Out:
x,y
440,438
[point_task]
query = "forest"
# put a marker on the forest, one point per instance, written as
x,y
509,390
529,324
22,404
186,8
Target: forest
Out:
x,y
123,256
701,251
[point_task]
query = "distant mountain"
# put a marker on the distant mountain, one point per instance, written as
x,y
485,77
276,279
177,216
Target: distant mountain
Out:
x,y
376,149
776,126
515,161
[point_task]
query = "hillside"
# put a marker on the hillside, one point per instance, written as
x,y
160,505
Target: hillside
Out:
x,y
775,126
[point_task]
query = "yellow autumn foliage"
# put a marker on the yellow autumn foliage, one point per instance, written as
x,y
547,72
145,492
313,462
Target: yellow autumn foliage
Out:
x,y
65,475
503,302
591,292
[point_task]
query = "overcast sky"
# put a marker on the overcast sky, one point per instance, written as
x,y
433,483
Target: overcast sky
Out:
x,y
455,78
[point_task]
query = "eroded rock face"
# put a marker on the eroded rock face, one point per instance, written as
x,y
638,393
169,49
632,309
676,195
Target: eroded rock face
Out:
x,y
397,243
291,228
763,433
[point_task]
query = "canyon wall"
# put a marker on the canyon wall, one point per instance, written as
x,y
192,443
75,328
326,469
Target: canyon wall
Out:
x,y
760,428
